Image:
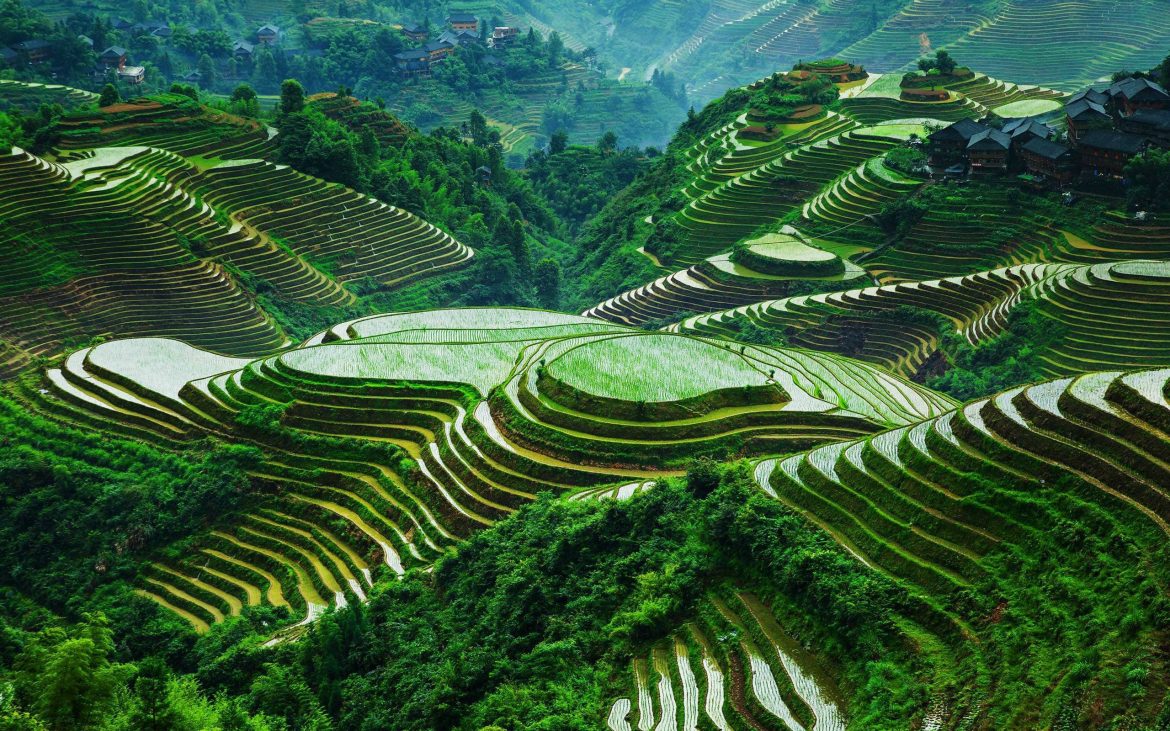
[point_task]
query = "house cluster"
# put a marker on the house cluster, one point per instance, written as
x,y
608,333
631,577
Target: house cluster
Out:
x,y
30,52
1105,130
243,48
462,29
113,60
110,61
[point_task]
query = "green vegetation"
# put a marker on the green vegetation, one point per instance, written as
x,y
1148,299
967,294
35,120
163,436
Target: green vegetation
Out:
x,y
283,444
1013,358
1150,180
578,181
787,256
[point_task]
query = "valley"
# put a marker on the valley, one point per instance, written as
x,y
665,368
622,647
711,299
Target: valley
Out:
x,y
450,373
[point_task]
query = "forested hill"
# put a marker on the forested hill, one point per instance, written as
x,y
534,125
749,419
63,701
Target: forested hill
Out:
x,y
531,85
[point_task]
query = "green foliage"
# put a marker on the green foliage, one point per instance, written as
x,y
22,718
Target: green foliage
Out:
x,y
292,97
578,181
538,642
942,62
547,276
67,677
109,96
908,160
899,216
1149,180
84,508
1011,359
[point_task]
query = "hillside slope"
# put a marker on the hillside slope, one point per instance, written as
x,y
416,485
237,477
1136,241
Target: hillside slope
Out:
x,y
415,430
140,241
1036,517
1070,44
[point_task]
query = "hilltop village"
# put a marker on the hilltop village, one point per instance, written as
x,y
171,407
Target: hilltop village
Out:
x,y
1105,129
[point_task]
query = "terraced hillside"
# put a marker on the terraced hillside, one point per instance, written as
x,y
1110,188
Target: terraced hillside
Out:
x,y
829,166
958,507
1095,308
734,662
29,96
357,117
1039,495
729,279
388,438
830,177
1070,44
171,122
639,114
139,241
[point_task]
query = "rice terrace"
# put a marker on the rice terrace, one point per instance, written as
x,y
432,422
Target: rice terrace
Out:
x,y
721,365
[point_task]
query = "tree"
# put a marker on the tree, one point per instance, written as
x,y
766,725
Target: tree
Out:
x,y
558,143
1149,180
244,101
109,96
243,93
703,475
478,128
547,279
208,77
941,61
265,72
607,145
944,63
186,90
1163,72
292,96
556,47
281,693
518,244
152,711
68,675
316,145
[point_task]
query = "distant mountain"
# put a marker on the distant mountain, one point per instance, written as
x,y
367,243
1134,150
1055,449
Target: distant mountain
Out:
x,y
715,44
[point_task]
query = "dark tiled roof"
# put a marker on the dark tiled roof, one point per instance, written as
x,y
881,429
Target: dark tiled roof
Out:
x,y
1102,139
1026,125
990,139
458,37
242,46
1046,148
964,129
34,44
114,52
1138,89
268,30
414,55
1158,119
462,18
7,53
413,28
1085,109
437,46
1092,95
